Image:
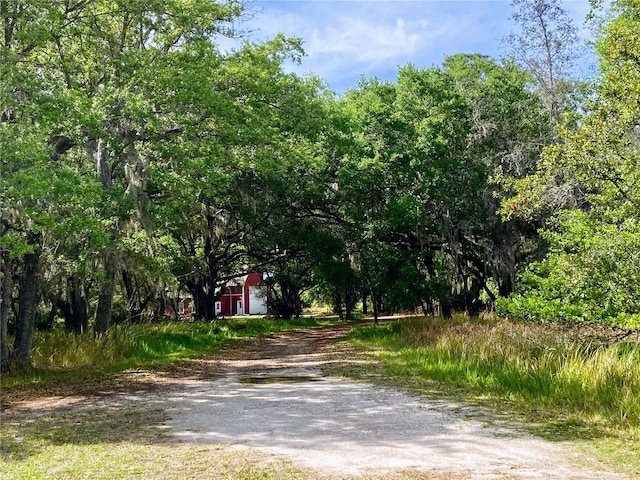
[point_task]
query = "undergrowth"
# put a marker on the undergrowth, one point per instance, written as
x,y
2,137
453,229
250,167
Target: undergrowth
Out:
x,y
59,354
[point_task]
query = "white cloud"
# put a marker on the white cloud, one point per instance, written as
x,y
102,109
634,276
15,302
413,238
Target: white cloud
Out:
x,y
346,39
367,40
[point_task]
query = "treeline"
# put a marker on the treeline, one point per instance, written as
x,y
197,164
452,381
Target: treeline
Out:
x,y
138,162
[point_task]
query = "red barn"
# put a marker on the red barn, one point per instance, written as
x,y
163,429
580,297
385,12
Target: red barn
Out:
x,y
179,307
248,296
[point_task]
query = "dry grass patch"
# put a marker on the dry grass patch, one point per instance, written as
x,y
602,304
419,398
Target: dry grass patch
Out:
x,y
120,442
129,441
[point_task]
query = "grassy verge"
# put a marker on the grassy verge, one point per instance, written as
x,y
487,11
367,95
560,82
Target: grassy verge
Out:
x,y
563,385
120,442
60,357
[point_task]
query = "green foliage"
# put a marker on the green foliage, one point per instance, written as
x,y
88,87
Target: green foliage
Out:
x,y
585,187
420,182
535,307
590,274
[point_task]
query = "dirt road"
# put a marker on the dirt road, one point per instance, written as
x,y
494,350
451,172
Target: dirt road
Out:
x,y
272,395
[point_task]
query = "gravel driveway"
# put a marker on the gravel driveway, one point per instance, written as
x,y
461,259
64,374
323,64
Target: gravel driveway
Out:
x,y
273,396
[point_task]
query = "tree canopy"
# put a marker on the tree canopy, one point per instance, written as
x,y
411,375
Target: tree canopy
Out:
x,y
140,164
585,186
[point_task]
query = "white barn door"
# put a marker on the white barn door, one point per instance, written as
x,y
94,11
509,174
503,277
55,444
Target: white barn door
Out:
x,y
257,301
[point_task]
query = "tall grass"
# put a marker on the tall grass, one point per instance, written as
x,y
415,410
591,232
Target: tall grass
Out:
x,y
540,366
126,346
58,349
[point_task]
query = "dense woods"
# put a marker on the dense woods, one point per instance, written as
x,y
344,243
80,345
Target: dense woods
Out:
x,y
140,163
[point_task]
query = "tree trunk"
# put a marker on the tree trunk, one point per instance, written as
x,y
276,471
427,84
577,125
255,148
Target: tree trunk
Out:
x,y
288,304
199,301
79,305
445,308
365,307
28,304
159,313
427,307
135,174
337,305
505,284
105,297
472,296
375,305
48,325
136,305
75,307
350,299
211,308
504,253
6,286
96,149
204,304
129,291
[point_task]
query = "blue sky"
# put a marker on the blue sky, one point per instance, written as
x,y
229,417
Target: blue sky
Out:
x,y
347,39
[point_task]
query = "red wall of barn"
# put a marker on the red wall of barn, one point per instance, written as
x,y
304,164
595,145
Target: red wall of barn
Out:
x,y
188,309
229,301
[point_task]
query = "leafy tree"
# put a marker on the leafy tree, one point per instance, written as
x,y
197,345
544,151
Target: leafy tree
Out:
x,y
507,130
589,179
111,57
218,189
73,93
420,184
27,174
393,182
164,137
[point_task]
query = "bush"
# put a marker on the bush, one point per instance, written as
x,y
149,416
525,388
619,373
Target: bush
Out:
x,y
591,273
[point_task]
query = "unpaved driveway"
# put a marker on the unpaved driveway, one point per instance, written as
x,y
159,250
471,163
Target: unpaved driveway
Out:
x,y
272,395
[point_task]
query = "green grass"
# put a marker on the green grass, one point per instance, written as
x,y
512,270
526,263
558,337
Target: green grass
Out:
x,y
61,356
563,385
121,442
